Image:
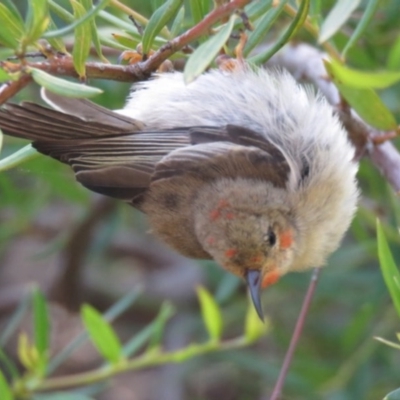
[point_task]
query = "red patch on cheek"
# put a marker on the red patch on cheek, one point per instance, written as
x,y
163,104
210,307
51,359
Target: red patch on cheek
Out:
x,y
286,239
271,278
230,253
214,215
210,240
230,215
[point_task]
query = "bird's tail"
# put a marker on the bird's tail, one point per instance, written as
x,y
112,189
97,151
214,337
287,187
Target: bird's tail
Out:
x,y
71,119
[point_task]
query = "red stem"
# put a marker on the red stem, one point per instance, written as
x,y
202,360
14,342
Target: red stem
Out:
x,y
296,336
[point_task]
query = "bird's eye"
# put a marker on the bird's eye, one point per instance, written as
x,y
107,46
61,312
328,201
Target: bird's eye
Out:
x,y
270,237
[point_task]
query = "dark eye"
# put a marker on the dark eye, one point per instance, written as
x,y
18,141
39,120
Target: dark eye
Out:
x,y
270,237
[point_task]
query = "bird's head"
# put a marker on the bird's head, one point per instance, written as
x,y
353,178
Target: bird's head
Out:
x,y
256,243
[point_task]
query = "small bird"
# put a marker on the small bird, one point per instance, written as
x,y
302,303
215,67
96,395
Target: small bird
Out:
x,y
245,167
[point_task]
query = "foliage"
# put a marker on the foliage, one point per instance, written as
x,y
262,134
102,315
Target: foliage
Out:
x,y
337,357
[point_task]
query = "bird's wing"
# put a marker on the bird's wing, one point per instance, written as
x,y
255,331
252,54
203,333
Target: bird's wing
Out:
x,y
120,166
229,152
106,159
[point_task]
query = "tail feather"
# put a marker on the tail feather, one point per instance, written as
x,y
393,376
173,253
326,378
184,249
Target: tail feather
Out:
x,y
37,123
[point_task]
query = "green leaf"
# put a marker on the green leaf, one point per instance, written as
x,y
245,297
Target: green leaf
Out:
x,y
63,87
157,22
178,22
19,157
389,269
4,76
127,42
5,390
61,13
82,40
88,4
393,60
211,313
207,51
361,79
293,28
362,25
13,9
113,312
68,29
37,20
199,9
41,322
337,17
56,43
101,334
254,327
395,395
11,28
262,27
366,103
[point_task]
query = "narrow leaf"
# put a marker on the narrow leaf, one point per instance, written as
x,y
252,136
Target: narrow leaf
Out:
x,y
25,154
5,390
101,334
63,87
113,312
361,79
4,77
41,322
88,4
199,9
393,61
11,28
61,13
37,19
389,269
27,354
293,28
56,43
178,22
157,22
207,51
82,40
68,29
13,9
366,103
263,26
367,15
337,17
211,313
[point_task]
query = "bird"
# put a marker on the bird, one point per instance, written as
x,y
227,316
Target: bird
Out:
x,y
245,166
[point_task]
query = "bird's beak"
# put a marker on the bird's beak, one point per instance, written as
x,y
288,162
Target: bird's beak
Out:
x,y
254,283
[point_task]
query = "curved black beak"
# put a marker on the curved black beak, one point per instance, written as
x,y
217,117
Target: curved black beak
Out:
x,y
253,280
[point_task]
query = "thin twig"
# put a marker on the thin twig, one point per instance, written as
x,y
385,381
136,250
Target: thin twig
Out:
x,y
8,90
296,336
